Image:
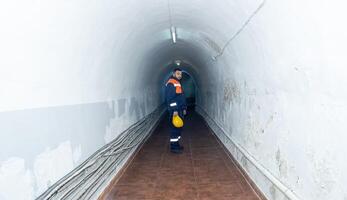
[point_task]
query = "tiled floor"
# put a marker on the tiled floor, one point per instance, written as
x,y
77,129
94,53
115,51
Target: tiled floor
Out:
x,y
203,171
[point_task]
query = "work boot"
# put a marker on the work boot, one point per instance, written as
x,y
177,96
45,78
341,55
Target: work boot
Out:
x,y
175,148
178,151
178,143
180,146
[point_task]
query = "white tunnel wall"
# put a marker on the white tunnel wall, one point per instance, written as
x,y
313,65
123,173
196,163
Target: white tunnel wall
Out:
x,y
277,91
280,98
74,74
71,79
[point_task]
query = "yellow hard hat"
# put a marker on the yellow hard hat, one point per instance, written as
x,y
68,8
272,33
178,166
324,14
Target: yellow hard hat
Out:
x,y
177,121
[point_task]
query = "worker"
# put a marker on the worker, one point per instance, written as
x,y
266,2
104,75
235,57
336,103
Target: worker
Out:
x,y
176,105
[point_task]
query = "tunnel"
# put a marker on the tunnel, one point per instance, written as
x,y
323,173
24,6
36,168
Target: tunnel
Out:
x,y
82,83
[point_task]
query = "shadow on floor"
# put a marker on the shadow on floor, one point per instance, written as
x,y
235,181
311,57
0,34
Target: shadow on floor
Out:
x,y
203,171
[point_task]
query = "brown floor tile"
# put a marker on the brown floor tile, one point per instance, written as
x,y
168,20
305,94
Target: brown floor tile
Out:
x,y
156,142
176,190
210,171
202,172
207,164
177,162
149,155
206,154
245,186
212,191
200,136
246,197
168,176
203,143
213,177
221,191
131,192
139,173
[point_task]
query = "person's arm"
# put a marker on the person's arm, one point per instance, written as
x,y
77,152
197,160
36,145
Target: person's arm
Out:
x,y
170,97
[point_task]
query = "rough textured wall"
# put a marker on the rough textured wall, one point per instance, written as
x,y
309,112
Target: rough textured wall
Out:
x,y
269,73
281,98
72,77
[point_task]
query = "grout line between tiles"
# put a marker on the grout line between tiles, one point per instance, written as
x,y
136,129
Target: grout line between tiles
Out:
x,y
158,172
238,169
194,171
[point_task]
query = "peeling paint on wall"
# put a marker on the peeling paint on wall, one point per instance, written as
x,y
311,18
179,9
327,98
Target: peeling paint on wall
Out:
x,y
324,173
77,154
290,58
282,164
16,182
121,106
108,160
67,136
51,165
231,92
129,110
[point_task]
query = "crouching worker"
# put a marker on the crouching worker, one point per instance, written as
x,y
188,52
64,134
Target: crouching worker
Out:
x,y
176,105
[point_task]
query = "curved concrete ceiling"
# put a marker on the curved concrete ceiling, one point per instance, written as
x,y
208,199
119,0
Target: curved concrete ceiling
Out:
x,y
78,35
260,68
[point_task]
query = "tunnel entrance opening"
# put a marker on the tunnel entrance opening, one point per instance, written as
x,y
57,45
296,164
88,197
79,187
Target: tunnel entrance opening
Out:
x,y
189,88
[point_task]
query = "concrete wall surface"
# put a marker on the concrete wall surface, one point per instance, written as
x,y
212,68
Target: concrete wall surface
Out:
x,y
270,80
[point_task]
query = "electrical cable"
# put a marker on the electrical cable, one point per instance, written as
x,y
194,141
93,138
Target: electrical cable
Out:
x,y
82,183
261,5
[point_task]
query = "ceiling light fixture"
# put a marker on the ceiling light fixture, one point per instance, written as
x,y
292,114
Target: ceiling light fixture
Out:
x,y
178,62
173,34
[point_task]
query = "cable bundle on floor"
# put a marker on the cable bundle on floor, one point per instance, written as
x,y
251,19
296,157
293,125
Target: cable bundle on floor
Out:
x,y
86,181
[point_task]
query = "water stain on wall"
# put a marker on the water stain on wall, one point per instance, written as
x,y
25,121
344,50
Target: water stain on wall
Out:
x,y
211,43
231,92
282,164
244,162
51,165
323,172
252,131
134,108
273,192
14,172
121,106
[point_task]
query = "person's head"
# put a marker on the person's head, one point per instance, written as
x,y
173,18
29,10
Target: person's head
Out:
x,y
177,73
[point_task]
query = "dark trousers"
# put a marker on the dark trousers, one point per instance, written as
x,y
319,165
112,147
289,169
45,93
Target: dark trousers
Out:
x,y
175,133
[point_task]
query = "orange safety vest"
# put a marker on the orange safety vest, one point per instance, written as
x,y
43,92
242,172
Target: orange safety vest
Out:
x,y
177,85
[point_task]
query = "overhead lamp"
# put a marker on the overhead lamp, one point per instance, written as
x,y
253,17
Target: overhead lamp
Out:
x,y
178,62
173,34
